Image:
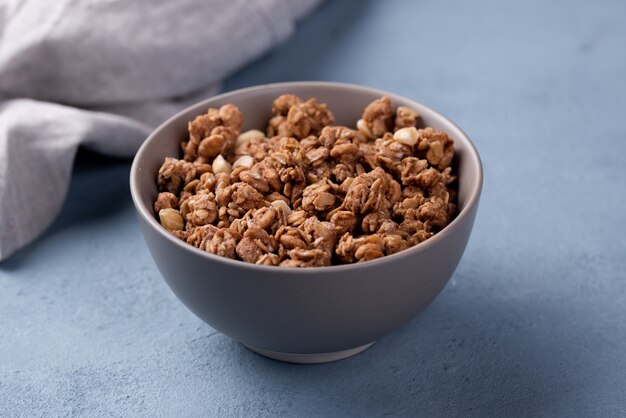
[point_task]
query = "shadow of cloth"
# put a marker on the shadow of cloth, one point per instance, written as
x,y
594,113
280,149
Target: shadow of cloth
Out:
x,y
99,189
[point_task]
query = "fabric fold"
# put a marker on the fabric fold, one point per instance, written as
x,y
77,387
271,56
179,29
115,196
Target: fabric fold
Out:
x,y
103,74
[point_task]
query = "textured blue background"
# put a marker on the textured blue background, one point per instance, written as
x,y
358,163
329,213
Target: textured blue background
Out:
x,y
533,323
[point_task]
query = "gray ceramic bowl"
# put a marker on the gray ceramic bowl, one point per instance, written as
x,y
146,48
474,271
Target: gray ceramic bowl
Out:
x,y
315,314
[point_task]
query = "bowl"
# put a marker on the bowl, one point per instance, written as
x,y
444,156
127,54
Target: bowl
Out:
x,y
305,315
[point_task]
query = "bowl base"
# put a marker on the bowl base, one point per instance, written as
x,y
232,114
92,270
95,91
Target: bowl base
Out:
x,y
311,358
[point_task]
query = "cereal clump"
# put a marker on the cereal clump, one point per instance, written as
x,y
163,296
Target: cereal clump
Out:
x,y
306,193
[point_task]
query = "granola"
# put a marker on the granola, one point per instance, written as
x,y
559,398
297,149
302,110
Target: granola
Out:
x,y
306,193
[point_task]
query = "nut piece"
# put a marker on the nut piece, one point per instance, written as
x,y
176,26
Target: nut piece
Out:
x,y
435,153
407,136
220,165
282,205
248,136
171,219
362,127
243,161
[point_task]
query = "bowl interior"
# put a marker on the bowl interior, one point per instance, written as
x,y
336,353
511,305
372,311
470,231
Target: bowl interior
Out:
x,y
345,101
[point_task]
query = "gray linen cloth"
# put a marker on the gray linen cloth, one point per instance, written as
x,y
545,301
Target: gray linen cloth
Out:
x,y
102,74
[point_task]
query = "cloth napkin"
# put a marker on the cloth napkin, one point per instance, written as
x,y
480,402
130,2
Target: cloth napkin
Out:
x,y
102,74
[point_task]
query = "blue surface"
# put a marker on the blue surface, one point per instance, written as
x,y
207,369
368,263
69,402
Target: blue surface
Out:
x,y
533,322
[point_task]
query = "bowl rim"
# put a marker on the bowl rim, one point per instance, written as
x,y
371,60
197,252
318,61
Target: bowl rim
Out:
x,y
147,214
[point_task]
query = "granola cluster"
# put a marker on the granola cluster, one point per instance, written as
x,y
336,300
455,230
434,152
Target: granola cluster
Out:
x,y
305,193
